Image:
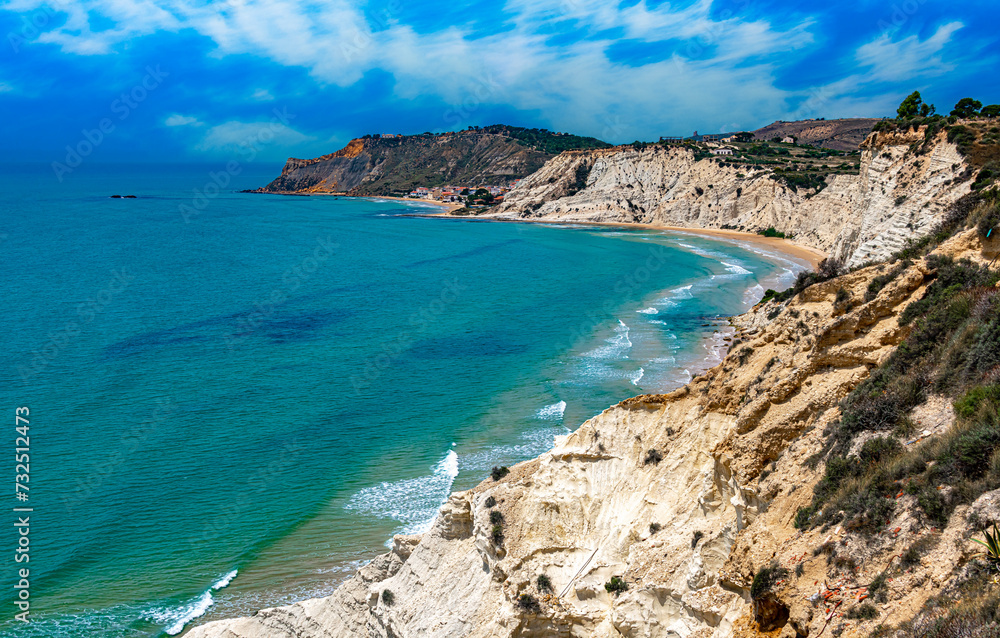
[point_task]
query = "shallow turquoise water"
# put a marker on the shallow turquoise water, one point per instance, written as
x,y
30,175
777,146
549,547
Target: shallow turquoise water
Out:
x,y
278,384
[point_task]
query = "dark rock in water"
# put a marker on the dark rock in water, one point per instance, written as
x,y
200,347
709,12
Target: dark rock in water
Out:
x,y
130,197
122,196
116,197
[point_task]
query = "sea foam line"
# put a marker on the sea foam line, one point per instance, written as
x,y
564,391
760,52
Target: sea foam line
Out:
x,y
181,616
552,412
413,502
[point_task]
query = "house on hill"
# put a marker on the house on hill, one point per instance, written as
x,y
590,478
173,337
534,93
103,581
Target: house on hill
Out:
x,y
788,139
721,151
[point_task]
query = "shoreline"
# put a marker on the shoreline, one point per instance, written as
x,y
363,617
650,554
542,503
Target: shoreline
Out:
x,y
712,348
787,246
811,255
449,206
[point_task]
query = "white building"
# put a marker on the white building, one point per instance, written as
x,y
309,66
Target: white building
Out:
x,y
721,151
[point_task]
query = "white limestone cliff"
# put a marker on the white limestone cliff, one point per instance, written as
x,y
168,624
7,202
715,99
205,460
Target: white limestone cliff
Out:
x,y
901,193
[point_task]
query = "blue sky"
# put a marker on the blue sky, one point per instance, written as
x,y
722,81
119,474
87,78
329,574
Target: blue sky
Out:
x,y
186,80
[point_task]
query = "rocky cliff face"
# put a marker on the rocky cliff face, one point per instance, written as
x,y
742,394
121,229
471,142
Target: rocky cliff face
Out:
x,y
392,166
684,497
900,194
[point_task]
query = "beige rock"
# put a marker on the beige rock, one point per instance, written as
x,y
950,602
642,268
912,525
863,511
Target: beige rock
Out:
x,y
899,195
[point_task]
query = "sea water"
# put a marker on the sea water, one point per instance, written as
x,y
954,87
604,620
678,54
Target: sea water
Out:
x,y
237,399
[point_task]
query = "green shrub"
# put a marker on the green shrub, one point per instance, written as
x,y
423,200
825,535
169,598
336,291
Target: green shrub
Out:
x,y
842,297
388,598
652,456
765,579
878,589
527,602
499,472
490,501
654,527
778,297
970,403
971,450
744,355
496,535
496,518
544,583
771,232
616,585
864,611
876,285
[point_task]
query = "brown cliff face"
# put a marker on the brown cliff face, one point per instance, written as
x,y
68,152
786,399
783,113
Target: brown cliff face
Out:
x,y
842,135
395,166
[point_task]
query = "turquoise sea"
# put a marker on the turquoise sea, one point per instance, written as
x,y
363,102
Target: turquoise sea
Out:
x,y
234,409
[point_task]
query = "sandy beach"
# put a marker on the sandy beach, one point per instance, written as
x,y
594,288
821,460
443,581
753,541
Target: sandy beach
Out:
x,y
789,247
448,206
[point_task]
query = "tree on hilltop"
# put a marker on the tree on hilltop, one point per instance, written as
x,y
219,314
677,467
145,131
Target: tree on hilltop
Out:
x,y
993,110
967,107
910,107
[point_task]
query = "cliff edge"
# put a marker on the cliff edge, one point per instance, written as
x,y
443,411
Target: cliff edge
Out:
x,y
682,514
904,185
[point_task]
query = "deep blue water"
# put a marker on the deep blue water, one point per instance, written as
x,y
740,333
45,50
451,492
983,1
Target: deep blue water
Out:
x,y
275,385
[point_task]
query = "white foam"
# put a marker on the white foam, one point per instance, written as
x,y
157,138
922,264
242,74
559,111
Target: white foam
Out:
x,y
225,580
753,294
532,443
618,347
179,617
413,502
736,269
552,412
635,378
648,311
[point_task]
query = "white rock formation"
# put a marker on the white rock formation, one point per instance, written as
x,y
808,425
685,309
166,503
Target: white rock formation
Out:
x,y
900,194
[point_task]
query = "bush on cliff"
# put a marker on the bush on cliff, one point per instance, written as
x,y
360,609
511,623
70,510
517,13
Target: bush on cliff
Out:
x,y
954,346
616,585
544,584
498,472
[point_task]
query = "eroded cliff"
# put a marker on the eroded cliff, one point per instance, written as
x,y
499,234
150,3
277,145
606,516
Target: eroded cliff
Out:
x,y
903,189
684,497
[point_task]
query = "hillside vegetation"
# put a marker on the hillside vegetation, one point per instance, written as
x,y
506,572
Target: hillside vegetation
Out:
x,y
495,155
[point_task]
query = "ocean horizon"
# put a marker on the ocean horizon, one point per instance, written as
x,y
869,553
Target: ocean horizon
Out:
x,y
237,399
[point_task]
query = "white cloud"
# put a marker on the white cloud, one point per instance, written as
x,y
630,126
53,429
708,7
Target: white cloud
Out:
x,y
721,76
262,95
237,136
909,57
181,120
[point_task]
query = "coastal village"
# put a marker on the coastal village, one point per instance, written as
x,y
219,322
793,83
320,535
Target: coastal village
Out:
x,y
470,195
